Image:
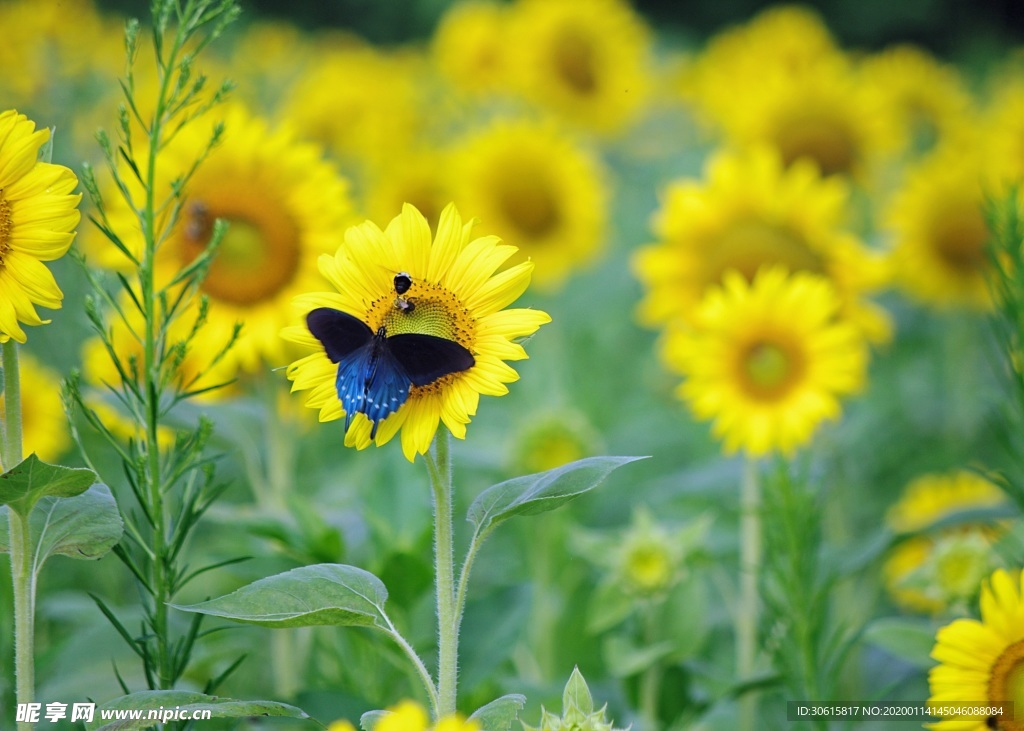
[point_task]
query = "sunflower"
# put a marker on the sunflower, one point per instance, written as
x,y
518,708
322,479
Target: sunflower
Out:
x,y
38,215
44,425
468,45
747,213
939,231
767,360
284,206
584,61
457,297
825,113
782,40
929,573
981,662
357,100
929,99
539,190
420,176
1004,122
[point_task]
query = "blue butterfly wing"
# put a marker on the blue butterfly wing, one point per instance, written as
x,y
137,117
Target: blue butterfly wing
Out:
x,y
425,358
372,382
340,333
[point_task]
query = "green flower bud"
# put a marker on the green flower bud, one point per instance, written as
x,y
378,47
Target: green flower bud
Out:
x,y
578,712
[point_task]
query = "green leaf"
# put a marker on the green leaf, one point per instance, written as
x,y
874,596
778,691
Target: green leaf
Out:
x,y
323,595
32,479
538,493
86,526
624,659
180,700
499,714
577,694
608,606
907,638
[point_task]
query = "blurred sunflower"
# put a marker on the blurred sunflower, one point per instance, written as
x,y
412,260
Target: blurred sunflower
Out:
x,y
457,296
981,662
265,62
357,100
410,716
38,216
469,45
750,212
538,190
781,40
552,440
929,99
44,425
1004,123
285,206
825,113
939,230
767,360
420,176
932,572
584,61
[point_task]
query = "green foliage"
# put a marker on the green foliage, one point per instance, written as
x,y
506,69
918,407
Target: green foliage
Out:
x,y
325,595
22,486
85,526
175,700
501,713
578,712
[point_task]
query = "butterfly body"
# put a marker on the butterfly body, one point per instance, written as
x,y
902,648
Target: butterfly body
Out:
x,y
376,372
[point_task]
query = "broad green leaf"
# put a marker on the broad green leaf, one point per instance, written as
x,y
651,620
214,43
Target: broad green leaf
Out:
x,y
624,659
370,719
181,701
608,606
909,639
32,479
86,526
499,714
577,694
538,493
323,595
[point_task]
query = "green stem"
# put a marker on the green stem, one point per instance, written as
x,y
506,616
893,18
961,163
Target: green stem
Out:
x,y
22,576
747,612
650,681
440,468
421,669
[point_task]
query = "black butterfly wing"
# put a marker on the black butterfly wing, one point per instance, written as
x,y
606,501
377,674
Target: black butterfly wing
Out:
x,y
425,358
371,381
340,333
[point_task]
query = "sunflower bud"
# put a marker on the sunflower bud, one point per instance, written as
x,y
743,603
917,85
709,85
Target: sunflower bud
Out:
x,y
578,712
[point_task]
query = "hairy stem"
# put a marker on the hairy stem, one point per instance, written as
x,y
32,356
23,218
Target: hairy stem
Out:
x,y
440,469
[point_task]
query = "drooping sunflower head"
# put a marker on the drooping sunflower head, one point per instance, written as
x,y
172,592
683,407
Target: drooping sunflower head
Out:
x,y
284,206
751,212
585,62
939,231
539,190
982,662
38,216
455,294
931,572
767,360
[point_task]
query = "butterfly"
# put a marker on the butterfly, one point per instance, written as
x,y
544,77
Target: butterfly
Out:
x,y
376,371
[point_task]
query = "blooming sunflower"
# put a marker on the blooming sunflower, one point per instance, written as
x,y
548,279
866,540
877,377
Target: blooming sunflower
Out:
x,y
928,573
285,206
750,212
38,215
469,45
457,297
939,231
981,662
767,360
420,176
539,190
584,61
410,716
44,425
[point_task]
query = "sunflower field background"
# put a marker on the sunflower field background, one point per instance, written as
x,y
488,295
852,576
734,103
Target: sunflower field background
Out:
x,y
774,250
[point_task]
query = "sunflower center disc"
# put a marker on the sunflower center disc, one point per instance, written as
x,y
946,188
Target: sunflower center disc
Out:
x,y
5,228
824,140
749,245
256,259
768,369
574,59
1006,683
959,238
529,206
648,567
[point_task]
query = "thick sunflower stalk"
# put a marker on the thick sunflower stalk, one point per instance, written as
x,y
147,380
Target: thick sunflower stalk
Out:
x,y
173,483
